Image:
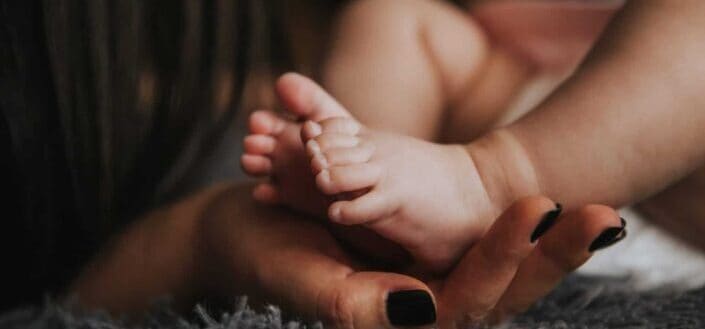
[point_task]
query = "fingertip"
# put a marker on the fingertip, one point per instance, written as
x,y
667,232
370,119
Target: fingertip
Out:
x,y
599,217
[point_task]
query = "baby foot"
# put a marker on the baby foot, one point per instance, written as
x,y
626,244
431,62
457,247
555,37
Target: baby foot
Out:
x,y
426,197
274,149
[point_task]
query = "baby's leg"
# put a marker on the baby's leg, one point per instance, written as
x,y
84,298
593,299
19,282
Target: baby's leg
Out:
x,y
398,64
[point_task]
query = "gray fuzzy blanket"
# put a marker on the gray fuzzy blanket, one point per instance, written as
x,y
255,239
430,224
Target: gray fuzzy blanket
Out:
x,y
580,302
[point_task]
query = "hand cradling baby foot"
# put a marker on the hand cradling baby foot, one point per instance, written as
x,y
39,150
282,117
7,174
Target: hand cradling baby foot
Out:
x,y
426,197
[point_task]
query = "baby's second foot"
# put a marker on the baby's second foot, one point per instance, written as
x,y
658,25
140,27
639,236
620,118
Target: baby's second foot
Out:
x,y
424,196
273,149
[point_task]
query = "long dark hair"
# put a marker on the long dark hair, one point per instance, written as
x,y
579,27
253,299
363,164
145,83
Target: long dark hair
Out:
x,y
105,105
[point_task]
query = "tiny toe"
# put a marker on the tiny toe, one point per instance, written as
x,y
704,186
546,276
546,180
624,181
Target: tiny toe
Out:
x,y
313,148
336,180
256,165
364,209
266,122
259,144
304,98
318,163
349,155
331,141
310,130
266,193
340,125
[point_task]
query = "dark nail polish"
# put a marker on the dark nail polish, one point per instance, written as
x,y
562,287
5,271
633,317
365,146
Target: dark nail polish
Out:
x,y
609,237
410,308
548,220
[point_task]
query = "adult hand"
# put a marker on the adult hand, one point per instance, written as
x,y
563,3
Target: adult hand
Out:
x,y
275,257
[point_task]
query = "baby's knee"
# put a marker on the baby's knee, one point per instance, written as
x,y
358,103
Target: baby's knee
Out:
x,y
445,35
387,17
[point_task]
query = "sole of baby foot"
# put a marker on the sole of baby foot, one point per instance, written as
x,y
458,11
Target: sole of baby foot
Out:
x,y
429,198
273,150
435,218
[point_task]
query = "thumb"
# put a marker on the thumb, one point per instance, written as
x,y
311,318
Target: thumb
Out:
x,y
376,299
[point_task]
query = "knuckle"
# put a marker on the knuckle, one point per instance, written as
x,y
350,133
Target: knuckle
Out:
x,y
561,260
339,311
474,319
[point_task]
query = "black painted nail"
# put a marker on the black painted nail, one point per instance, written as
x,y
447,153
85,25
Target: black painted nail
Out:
x,y
548,220
410,308
609,237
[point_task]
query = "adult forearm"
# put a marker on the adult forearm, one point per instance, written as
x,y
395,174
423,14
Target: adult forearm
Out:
x,y
632,118
158,256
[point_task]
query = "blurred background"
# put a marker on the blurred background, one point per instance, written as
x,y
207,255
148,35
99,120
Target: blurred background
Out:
x,y
111,108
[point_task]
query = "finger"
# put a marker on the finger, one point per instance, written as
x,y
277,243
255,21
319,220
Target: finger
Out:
x,y
312,277
562,250
476,284
275,257
377,300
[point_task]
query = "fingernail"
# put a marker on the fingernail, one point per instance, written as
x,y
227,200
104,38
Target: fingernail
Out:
x,y
410,308
609,237
548,220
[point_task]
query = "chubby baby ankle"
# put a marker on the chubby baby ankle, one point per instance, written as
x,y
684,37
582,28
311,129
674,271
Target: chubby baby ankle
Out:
x,y
504,167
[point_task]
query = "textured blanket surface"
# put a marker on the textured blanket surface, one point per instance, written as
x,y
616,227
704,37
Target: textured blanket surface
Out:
x,y
580,302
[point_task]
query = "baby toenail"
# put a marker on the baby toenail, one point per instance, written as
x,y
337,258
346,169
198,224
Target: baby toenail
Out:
x,y
320,162
324,176
313,128
313,148
334,214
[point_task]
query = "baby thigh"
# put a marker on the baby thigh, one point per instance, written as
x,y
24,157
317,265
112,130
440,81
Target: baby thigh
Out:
x,y
397,65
